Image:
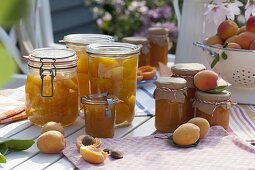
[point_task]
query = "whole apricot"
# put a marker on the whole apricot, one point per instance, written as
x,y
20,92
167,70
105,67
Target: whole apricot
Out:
x,y
230,39
214,40
52,126
233,45
250,24
252,46
203,125
51,142
244,39
186,134
206,80
227,29
241,29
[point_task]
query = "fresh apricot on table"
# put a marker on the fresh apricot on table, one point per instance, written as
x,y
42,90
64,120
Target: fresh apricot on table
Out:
x,y
52,126
203,125
206,80
186,134
227,29
92,154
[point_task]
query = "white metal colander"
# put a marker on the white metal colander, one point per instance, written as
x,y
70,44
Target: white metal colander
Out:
x,y
238,69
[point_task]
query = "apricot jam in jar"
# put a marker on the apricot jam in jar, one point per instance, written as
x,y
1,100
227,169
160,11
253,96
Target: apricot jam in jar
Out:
x,y
99,113
144,57
170,103
52,92
188,71
213,107
78,43
159,45
113,70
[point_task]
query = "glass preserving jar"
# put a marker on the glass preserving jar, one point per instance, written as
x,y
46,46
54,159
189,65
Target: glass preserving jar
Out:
x,y
99,112
188,71
113,69
170,103
159,45
52,92
144,57
78,43
213,107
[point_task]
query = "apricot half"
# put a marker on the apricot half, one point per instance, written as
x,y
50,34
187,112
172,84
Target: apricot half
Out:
x,y
92,154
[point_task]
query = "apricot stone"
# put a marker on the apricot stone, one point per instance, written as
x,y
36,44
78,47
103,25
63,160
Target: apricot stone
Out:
x,y
250,24
233,45
206,80
245,39
227,29
214,40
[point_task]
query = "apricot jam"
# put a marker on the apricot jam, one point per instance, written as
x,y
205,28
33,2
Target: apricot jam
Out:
x,y
144,57
113,69
188,71
78,43
170,103
52,92
213,107
99,112
159,46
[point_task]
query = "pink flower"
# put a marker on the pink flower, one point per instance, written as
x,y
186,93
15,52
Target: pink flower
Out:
x,y
233,9
216,12
250,9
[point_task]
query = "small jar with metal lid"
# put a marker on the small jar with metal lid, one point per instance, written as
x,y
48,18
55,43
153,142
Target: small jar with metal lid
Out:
x,y
52,92
113,70
78,43
159,45
188,71
99,113
170,103
144,57
213,107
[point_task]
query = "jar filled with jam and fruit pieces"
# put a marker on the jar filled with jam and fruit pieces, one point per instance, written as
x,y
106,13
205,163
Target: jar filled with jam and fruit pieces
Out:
x,y
159,45
188,71
99,113
78,43
52,92
170,103
113,70
144,57
213,107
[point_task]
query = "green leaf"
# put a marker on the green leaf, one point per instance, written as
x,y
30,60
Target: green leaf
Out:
x,y
171,142
12,10
8,66
2,158
219,89
19,145
215,61
224,55
3,148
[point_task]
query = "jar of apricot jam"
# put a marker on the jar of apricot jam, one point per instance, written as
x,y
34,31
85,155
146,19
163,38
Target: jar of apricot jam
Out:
x,y
170,103
78,43
144,57
159,45
99,113
188,71
113,70
213,107
52,92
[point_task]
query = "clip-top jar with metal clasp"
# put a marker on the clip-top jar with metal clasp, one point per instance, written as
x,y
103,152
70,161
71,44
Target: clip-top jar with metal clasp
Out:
x,y
170,103
99,113
52,92
213,107
188,71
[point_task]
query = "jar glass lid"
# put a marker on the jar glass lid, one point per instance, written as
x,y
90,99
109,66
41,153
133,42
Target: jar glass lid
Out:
x,y
86,39
113,49
48,56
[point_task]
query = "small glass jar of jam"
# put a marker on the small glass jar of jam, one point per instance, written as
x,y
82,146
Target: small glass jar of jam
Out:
x,y
113,70
188,71
99,113
52,92
78,43
159,45
213,107
170,103
144,57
